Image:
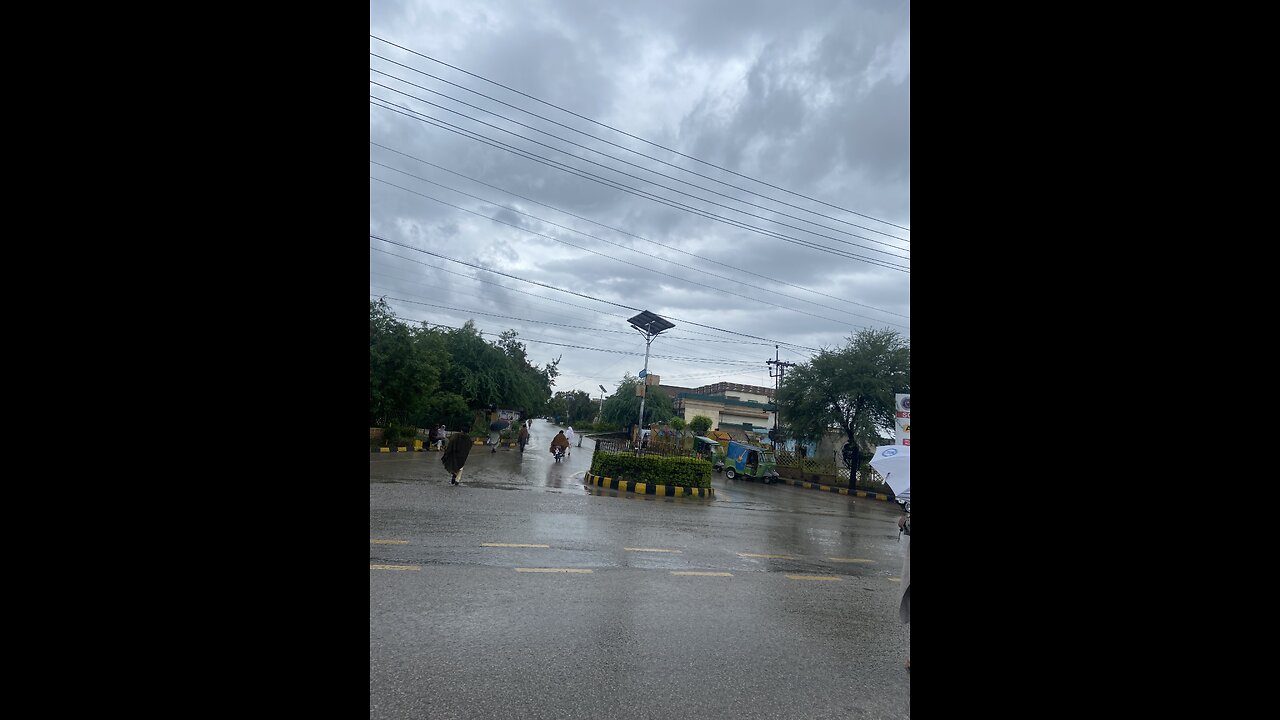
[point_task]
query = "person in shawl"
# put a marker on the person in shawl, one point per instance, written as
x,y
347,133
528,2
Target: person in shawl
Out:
x,y
559,441
524,436
455,455
568,434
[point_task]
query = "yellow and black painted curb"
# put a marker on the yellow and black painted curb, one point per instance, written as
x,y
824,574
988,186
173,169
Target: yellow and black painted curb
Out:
x,y
834,489
640,488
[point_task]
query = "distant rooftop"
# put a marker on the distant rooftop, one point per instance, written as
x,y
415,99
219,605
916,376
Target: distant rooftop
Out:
x,y
722,387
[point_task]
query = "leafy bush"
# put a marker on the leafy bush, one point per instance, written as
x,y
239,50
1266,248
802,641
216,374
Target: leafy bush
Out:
x,y
700,424
397,434
682,471
677,423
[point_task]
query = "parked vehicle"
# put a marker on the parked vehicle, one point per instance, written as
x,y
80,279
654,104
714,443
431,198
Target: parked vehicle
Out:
x,y
750,461
710,449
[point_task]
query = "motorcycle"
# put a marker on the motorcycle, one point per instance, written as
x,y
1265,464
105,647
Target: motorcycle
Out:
x,y
557,452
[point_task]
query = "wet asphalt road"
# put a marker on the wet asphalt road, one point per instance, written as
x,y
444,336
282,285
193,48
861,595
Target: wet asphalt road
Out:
x,y
462,625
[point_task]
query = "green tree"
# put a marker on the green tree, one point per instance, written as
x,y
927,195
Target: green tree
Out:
x,y
700,424
623,407
677,423
850,389
401,375
577,406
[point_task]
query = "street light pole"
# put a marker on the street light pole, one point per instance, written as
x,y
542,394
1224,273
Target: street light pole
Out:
x,y
650,326
644,388
600,414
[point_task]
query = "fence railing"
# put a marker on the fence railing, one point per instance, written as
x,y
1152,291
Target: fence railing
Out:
x,y
787,459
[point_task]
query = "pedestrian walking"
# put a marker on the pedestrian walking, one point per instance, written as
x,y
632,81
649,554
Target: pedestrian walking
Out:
x,y
439,435
524,436
455,455
568,434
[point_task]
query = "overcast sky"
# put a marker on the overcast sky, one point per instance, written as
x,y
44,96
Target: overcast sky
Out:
x,y
763,128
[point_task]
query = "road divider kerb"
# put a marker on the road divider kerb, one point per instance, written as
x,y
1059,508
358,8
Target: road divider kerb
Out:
x,y
648,488
832,488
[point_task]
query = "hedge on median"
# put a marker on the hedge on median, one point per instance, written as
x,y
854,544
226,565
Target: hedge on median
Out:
x,y
656,469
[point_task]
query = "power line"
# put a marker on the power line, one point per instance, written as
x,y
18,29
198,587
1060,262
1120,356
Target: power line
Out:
x,y
634,165
543,322
636,152
623,132
594,311
444,125
520,338
624,247
627,174
624,232
595,252
571,292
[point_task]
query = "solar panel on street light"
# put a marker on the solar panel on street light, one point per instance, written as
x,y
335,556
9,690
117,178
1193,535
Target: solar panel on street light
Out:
x,y
649,323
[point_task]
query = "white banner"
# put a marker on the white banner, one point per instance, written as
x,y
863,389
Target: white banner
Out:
x,y
903,418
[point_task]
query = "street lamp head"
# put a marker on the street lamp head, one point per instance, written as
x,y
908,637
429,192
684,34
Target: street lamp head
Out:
x,y
650,324
606,392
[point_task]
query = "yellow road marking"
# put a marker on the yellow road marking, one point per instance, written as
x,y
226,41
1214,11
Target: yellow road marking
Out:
x,y
701,574
895,579
853,560
563,570
395,567
813,577
389,542
512,545
780,557
650,550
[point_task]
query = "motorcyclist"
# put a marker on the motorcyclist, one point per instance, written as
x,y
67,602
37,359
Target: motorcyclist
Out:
x,y
559,441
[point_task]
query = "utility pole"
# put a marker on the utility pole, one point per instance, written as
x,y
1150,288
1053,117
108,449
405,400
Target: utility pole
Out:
x,y
781,367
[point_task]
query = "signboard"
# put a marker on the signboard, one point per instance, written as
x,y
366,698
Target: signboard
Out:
x,y
902,414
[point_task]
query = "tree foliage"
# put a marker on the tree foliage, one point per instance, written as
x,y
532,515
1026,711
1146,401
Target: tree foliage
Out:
x,y
426,376
401,377
622,408
700,424
850,389
574,406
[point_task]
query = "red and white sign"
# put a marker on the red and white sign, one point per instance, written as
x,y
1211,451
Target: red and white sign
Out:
x,y
902,412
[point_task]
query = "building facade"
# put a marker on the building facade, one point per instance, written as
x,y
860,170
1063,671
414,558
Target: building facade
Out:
x,y
741,410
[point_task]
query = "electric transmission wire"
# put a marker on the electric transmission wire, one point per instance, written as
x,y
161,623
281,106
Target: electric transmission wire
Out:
x,y
619,230
624,247
789,345
623,132
634,165
522,338
627,174
588,297
594,311
595,252
627,188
